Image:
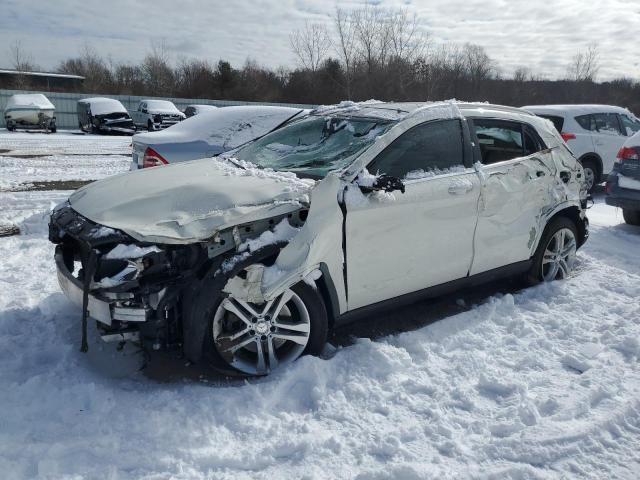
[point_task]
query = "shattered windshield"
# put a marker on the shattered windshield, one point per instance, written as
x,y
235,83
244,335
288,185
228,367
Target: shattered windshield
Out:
x,y
314,146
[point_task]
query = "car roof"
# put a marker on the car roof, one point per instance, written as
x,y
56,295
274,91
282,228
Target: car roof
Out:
x,y
575,109
399,110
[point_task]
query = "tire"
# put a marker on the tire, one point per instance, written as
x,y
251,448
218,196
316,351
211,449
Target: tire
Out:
x,y
632,217
224,328
150,126
591,173
548,256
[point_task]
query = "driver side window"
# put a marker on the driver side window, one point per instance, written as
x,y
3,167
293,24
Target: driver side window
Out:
x,y
426,148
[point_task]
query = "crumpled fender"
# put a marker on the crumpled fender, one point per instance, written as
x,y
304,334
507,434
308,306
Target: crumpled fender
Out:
x,y
319,241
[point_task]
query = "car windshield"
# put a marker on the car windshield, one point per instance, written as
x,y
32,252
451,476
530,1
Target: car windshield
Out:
x,y
314,146
164,104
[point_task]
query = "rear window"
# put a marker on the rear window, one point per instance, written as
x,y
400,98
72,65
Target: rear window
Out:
x,y
558,122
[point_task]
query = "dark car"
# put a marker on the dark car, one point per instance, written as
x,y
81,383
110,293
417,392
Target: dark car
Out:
x,y
623,183
104,115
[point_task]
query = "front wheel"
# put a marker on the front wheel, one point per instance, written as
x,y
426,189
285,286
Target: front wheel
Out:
x,y
632,217
255,339
150,126
556,254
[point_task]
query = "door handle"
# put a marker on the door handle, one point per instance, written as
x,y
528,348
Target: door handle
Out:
x,y
460,188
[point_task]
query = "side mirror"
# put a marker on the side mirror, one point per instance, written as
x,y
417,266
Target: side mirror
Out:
x,y
386,183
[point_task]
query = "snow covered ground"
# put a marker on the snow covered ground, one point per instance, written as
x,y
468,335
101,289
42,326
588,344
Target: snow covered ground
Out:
x,y
534,384
26,158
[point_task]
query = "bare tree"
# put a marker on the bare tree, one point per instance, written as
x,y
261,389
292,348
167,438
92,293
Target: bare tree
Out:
x,y
158,74
310,45
21,60
346,45
585,64
405,39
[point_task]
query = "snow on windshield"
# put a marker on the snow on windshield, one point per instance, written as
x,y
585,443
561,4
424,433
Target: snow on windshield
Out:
x,y
161,104
314,146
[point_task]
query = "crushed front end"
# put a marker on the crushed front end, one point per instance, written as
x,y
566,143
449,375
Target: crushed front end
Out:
x,y
130,288
137,291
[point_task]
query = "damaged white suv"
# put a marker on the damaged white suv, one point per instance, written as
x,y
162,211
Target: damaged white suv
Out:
x,y
247,261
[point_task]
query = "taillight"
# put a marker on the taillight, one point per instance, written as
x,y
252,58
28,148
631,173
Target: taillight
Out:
x,y
568,136
152,159
627,153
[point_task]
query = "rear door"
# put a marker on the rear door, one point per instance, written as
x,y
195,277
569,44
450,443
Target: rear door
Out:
x,y
407,242
517,173
608,137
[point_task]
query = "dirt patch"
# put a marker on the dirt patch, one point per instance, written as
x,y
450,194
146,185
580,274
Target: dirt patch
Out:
x,y
9,230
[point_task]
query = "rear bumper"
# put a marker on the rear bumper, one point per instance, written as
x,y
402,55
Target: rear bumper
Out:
x,y
616,196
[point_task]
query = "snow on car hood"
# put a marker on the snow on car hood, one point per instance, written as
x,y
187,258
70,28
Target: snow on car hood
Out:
x,y
189,201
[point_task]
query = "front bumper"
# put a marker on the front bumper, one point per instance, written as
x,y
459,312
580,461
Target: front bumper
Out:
x,y
102,309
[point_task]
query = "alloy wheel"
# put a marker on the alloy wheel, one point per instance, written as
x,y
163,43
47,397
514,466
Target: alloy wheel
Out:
x,y
256,339
559,255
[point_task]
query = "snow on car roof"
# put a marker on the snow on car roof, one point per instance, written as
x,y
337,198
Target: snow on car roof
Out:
x,y
102,105
230,126
575,109
394,111
29,100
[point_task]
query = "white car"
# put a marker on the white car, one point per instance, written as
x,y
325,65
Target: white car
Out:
x,y
208,134
156,115
246,261
594,134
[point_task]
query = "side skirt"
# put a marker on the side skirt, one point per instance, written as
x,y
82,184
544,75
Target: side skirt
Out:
x,y
435,291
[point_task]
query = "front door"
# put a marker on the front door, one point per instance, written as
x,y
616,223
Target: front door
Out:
x,y
401,243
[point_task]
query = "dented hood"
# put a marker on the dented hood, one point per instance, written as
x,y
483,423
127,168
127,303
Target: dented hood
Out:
x,y
189,201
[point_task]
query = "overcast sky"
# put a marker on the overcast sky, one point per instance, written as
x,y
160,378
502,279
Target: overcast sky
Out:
x,y
542,35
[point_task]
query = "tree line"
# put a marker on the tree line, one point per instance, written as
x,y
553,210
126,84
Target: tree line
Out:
x,y
368,52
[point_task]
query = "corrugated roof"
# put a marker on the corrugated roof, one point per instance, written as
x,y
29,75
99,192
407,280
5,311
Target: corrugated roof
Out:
x,y
40,74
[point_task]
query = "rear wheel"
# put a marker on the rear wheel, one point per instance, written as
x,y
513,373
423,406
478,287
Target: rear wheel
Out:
x,y
255,339
591,173
150,126
556,254
632,217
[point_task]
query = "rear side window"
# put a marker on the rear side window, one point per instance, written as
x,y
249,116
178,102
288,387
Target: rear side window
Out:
x,y
429,147
558,122
501,140
631,125
587,122
607,123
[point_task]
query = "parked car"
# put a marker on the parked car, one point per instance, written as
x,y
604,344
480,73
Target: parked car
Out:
x,y
623,184
104,115
192,110
246,261
30,110
594,133
156,115
208,134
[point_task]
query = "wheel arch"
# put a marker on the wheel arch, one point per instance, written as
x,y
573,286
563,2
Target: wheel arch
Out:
x,y
572,213
598,161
